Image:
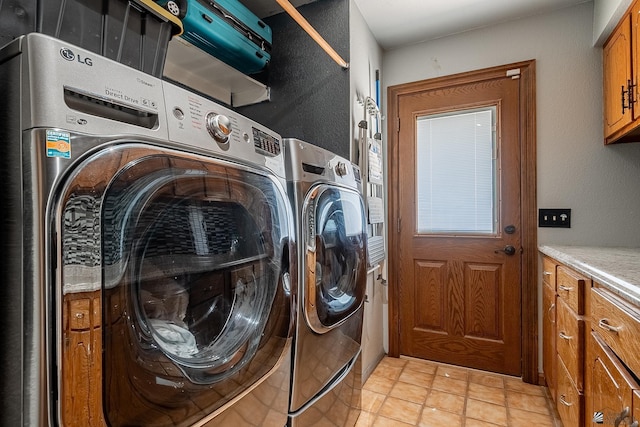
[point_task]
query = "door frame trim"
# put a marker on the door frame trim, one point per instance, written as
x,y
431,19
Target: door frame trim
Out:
x,y
528,201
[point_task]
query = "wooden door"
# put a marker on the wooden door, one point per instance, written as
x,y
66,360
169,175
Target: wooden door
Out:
x,y
460,290
617,70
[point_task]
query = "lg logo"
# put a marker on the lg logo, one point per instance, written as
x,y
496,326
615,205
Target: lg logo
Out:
x,y
70,56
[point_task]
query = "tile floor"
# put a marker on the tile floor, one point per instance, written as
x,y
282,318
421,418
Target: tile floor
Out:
x,y
412,392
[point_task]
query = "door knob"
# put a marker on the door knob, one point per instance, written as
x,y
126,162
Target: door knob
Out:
x,y
509,250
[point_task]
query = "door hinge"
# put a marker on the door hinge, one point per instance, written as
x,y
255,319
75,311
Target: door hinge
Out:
x,y
398,126
399,224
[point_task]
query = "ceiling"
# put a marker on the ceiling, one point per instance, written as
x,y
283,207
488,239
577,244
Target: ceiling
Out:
x,y
397,23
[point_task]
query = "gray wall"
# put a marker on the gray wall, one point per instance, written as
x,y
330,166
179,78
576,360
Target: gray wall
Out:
x,y
366,58
309,91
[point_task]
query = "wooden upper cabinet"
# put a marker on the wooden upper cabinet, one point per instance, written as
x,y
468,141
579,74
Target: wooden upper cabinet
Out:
x,y
635,58
617,74
621,75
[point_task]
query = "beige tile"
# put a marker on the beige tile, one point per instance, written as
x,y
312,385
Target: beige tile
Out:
x,y
432,417
450,385
410,392
389,372
393,361
400,410
485,411
378,384
452,396
470,422
518,417
389,422
422,366
516,384
487,394
527,402
488,379
454,372
422,379
445,401
372,401
365,419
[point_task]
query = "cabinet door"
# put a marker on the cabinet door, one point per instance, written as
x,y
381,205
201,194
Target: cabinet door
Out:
x,y
570,341
549,267
570,403
549,338
610,387
635,55
617,70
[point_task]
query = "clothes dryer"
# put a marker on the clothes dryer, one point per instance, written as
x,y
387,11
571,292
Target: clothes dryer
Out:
x,y
148,252
325,193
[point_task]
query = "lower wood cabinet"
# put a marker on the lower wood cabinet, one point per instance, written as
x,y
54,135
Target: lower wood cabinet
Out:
x,y
570,342
563,326
610,389
569,400
549,357
591,348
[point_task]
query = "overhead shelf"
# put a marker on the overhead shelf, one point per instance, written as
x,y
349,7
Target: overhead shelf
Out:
x,y
194,68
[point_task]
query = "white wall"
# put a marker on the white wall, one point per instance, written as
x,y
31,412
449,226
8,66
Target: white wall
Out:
x,y
365,59
606,14
575,170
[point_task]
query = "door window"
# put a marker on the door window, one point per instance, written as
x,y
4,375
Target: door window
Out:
x,y
456,172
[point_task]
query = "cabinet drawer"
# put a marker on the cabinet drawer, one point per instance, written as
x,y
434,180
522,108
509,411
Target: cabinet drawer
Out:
x,y
570,402
549,272
611,385
570,342
619,326
571,287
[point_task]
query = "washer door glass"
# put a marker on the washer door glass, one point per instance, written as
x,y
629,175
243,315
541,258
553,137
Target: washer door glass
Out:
x,y
335,245
195,297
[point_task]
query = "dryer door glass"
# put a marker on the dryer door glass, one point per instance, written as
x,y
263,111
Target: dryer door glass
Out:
x,y
195,301
336,241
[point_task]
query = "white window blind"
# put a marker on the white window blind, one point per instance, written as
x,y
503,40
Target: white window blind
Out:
x,y
456,172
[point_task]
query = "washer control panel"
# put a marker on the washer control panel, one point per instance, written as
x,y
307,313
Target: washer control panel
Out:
x,y
196,121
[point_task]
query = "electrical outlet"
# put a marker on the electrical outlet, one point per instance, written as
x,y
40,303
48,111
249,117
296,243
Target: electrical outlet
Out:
x,y
554,218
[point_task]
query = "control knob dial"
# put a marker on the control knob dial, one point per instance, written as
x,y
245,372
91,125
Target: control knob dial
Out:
x,y
219,127
341,169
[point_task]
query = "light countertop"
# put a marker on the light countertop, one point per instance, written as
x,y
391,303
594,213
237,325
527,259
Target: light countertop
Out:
x,y
617,269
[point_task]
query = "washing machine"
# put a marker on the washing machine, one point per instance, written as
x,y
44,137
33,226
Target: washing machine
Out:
x,y
148,260
325,194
